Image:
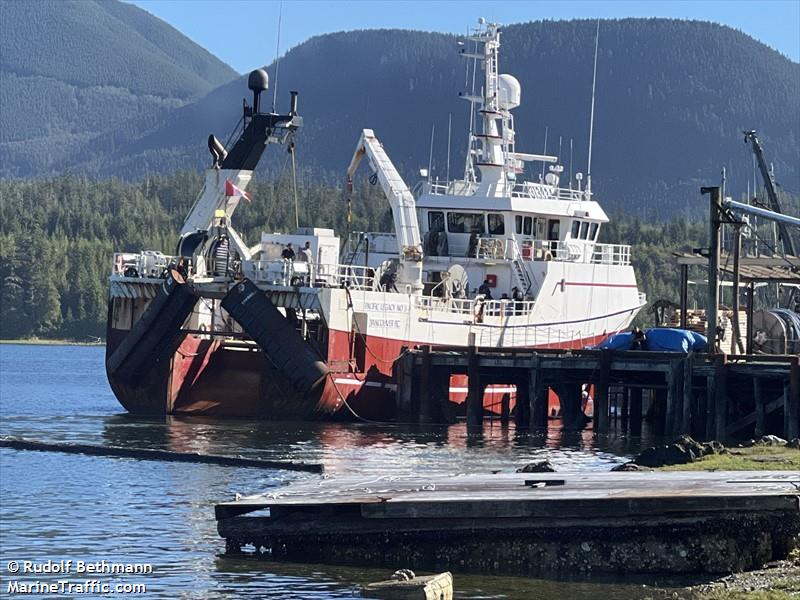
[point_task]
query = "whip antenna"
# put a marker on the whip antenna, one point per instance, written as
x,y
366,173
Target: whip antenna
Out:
x,y
277,58
591,116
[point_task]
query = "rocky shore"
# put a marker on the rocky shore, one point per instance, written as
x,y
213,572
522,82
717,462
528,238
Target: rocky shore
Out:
x,y
766,453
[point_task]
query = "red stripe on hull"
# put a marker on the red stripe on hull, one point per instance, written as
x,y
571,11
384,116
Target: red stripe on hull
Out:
x,y
370,392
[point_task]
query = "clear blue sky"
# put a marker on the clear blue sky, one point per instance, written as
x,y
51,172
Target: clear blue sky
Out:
x,y
243,32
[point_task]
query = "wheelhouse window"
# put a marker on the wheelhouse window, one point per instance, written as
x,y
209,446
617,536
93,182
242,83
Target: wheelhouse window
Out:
x,y
497,225
539,222
593,232
465,222
576,227
584,230
435,220
524,225
553,229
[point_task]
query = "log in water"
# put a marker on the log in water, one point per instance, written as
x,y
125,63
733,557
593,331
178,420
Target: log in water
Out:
x,y
162,455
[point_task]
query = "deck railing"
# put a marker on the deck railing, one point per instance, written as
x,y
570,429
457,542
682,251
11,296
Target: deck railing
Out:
x,y
474,308
526,189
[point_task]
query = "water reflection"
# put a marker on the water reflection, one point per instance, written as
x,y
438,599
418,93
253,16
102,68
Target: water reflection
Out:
x,y
93,508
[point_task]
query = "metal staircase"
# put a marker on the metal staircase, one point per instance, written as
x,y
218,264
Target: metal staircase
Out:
x,y
521,275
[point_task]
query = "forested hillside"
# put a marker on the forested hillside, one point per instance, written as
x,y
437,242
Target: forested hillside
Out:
x,y
78,77
58,236
672,99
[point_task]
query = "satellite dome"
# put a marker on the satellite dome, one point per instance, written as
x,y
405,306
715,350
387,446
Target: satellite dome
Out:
x,y
510,91
258,81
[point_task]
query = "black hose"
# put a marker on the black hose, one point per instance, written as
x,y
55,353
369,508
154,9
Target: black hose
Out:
x,y
162,455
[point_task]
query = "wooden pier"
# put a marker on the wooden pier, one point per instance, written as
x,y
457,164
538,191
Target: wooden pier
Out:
x,y
704,395
527,523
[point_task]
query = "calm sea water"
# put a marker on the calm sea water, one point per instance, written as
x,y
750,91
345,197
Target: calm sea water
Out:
x,y
69,507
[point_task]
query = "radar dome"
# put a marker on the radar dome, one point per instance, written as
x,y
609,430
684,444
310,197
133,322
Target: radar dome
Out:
x,y
258,81
510,91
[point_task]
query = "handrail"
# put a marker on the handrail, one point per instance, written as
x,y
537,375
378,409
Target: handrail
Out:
x,y
524,189
476,308
492,248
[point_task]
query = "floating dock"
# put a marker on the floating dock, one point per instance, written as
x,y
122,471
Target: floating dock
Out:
x,y
705,395
527,523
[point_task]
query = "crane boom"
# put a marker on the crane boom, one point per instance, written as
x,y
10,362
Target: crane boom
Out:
x,y
401,200
769,184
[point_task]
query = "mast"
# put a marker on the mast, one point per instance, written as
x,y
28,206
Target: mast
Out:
x,y
500,93
591,116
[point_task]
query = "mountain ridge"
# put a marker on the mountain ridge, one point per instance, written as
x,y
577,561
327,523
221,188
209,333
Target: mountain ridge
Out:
x,y
74,71
672,98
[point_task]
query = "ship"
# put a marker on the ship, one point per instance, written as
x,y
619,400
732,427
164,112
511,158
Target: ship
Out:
x,y
302,326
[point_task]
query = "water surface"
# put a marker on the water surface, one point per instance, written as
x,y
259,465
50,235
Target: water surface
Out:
x,y
59,506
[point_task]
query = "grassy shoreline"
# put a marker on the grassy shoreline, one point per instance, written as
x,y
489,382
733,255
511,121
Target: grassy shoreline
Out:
x,y
51,342
754,458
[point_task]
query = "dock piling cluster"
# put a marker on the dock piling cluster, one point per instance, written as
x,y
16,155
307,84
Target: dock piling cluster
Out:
x,y
706,395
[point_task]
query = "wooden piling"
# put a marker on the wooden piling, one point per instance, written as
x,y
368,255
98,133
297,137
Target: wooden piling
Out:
x,y
522,406
658,416
681,405
760,408
601,394
673,400
425,399
636,410
505,409
791,401
474,392
688,398
710,399
626,397
405,380
537,396
569,399
720,398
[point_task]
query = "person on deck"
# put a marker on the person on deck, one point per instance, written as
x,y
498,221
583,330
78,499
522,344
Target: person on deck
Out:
x,y
306,254
638,339
518,298
288,252
485,290
388,281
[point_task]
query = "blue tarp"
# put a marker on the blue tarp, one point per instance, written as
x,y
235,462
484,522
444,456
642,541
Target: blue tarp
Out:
x,y
660,339
618,341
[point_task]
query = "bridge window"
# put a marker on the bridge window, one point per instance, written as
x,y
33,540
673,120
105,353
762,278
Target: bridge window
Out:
x,y
497,224
435,220
593,234
524,224
576,226
584,230
553,229
465,222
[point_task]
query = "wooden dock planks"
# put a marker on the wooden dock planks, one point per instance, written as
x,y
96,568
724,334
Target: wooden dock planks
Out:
x,y
457,522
